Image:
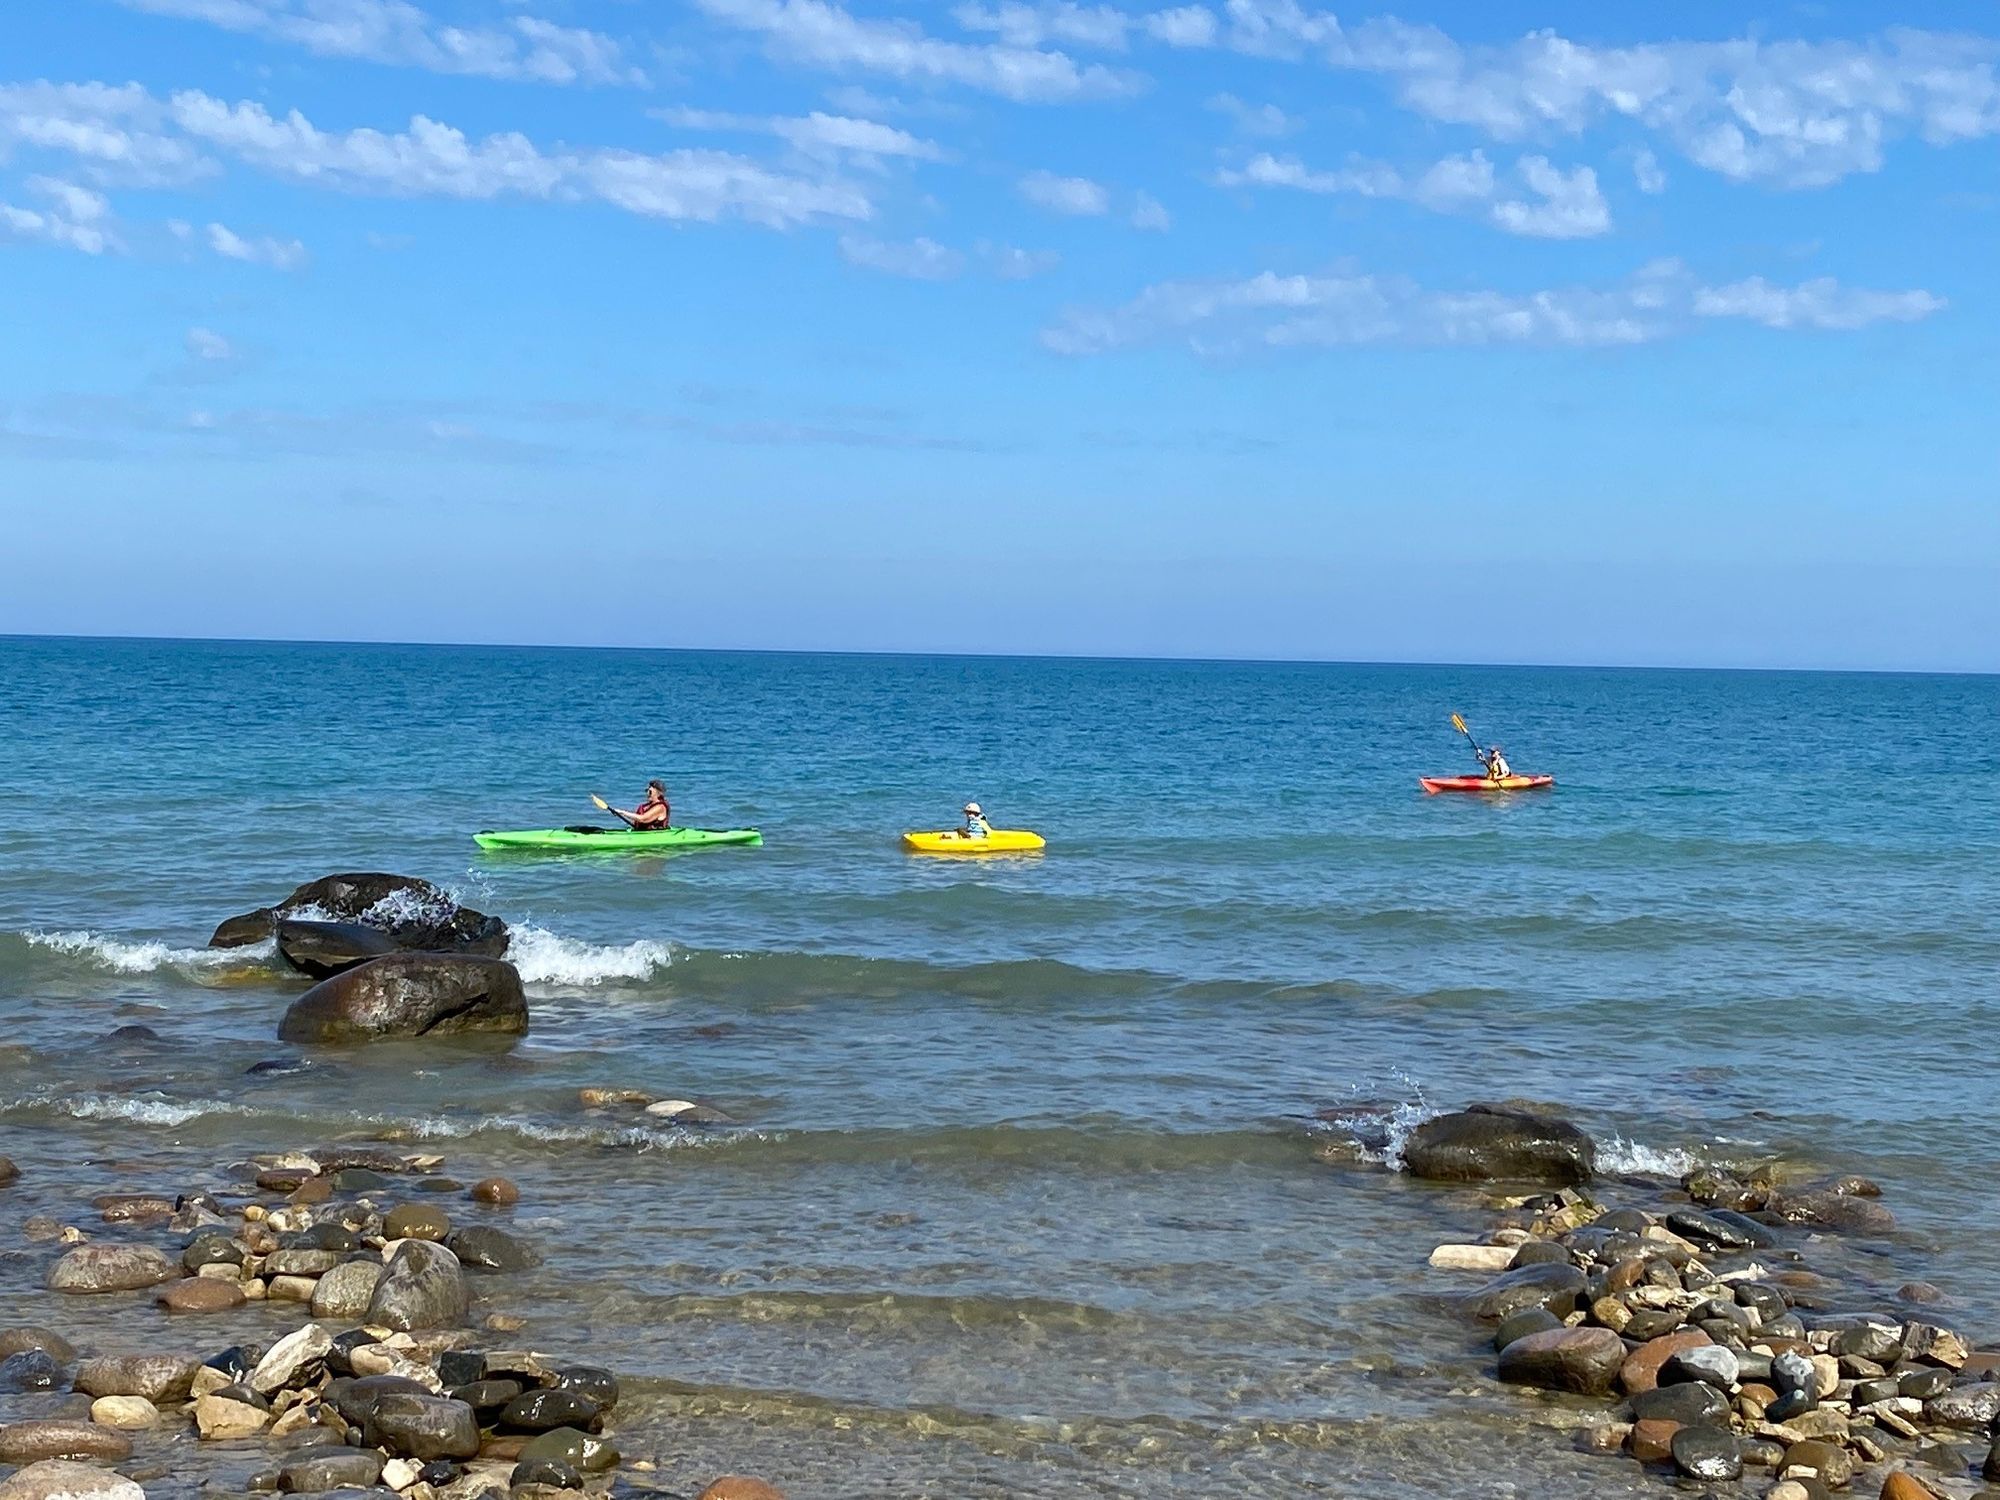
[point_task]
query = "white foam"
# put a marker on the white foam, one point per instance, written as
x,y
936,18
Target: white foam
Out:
x,y
545,957
1625,1157
122,956
145,1110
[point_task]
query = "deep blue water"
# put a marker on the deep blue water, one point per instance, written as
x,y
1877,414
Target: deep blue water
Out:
x,y
1758,918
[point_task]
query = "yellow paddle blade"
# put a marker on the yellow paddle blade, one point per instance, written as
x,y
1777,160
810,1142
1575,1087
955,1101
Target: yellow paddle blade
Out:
x,y
1459,724
600,802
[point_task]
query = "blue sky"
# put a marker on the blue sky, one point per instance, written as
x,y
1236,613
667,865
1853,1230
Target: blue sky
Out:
x,y
1233,328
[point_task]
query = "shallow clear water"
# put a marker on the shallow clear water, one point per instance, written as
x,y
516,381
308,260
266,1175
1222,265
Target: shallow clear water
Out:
x,y
1030,1198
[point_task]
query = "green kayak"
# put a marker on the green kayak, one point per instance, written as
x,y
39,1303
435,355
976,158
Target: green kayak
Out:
x,y
616,838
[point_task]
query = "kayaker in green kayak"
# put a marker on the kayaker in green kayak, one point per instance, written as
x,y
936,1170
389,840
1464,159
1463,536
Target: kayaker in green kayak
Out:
x,y
654,812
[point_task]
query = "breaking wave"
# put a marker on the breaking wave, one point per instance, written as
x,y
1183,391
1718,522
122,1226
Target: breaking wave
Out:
x,y
125,956
545,957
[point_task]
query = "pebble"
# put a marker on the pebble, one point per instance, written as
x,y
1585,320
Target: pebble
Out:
x,y
60,1479
545,1410
1487,1258
291,1359
161,1378
324,1468
200,1294
124,1411
741,1487
346,1290
1707,1453
1815,1458
30,1370
423,1426
1582,1360
291,1288
497,1191
401,1473
1641,1370
219,1419
483,1249
581,1451
416,1221
422,1287
16,1340
110,1268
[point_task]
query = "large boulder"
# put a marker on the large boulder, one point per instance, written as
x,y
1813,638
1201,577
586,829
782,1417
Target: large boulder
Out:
x,y
1487,1143
422,1287
410,994
323,949
416,915
1583,1360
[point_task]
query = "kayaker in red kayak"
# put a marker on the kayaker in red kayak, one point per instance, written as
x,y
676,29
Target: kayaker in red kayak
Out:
x,y
1496,765
652,813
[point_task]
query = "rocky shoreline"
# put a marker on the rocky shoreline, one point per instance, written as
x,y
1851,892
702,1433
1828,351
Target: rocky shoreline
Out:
x,y
1732,1358
387,1386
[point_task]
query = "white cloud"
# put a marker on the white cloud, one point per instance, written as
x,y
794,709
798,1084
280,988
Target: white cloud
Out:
x,y
1078,197
1183,26
74,218
280,255
1010,263
1543,200
1784,113
1271,311
523,48
1149,213
821,34
919,259
817,134
113,131
1254,119
1019,25
1646,173
210,347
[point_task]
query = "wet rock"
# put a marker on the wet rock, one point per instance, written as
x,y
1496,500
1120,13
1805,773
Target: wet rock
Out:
x,y
1826,1209
200,1294
323,949
132,1208
130,1412
15,1340
1971,1408
483,1249
32,1442
30,1370
293,1360
1641,1370
413,913
545,1410
111,1268
1694,1404
1708,1231
497,1191
1871,1341
461,1366
1582,1360
1767,1302
580,1450
1816,1458
60,1479
234,1363
1902,1486
300,1262
599,1384
410,995
1554,1287
1519,1325
487,1398
1792,1371
1651,1442
1934,1345
318,1469
346,1290
341,1158
1539,1252
1488,1144
547,1471
1921,1385
416,1221
1707,1453
209,1248
331,1237
423,1427
355,1398
221,1420
1791,1405
422,1287
161,1378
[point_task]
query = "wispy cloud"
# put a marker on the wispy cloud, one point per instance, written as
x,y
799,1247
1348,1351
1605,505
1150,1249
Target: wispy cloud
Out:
x,y
261,250
1150,214
1253,119
72,217
1271,311
821,34
817,134
1105,27
1011,263
114,128
522,48
1541,200
210,347
919,259
1077,197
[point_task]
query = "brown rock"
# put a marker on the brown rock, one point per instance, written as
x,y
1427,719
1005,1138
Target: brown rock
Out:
x,y
1652,1441
1641,1370
111,1268
416,1221
218,1419
161,1378
495,1190
129,1208
1935,1345
18,1340
1816,1458
200,1294
1901,1486
8,1172
123,1411
1583,1360
741,1487
32,1442
312,1190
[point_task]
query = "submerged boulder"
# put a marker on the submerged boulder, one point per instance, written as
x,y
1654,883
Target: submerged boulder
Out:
x,y
414,914
407,995
1487,1143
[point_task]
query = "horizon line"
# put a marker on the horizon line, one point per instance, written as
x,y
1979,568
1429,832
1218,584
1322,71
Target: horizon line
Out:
x,y
945,655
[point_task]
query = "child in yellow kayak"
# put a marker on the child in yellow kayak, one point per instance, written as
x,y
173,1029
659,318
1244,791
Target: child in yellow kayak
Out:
x,y
976,826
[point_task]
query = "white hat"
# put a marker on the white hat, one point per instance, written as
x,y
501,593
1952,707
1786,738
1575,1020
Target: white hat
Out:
x,y
972,809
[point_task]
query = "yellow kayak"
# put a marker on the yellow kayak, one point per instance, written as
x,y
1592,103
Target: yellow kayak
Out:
x,y
952,841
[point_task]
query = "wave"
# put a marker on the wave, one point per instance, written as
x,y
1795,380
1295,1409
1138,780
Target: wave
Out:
x,y
144,956
545,957
1377,1131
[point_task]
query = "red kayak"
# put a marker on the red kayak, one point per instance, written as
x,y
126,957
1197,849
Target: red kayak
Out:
x,y
1484,783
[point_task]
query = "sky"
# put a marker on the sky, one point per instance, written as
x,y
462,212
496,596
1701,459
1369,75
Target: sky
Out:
x,y
1650,335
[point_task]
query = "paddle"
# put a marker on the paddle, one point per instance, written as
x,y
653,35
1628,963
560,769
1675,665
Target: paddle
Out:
x,y
607,807
1456,723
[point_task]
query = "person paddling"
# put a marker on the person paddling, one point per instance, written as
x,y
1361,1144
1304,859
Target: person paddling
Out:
x,y
1496,765
976,826
654,812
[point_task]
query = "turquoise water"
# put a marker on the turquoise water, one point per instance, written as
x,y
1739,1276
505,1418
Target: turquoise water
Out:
x,y
1032,1196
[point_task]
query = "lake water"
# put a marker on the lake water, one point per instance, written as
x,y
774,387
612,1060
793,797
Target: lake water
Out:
x,y
1032,1194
